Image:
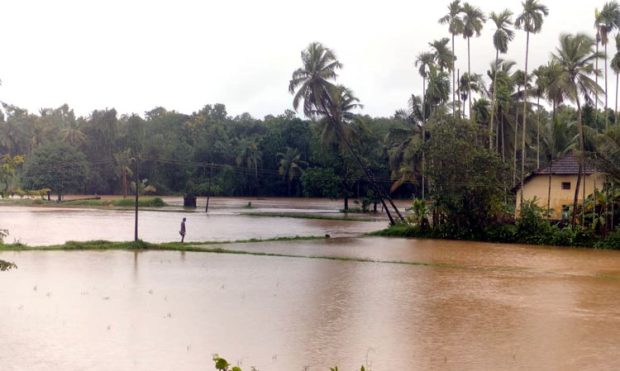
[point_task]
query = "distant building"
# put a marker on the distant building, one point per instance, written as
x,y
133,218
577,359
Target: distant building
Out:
x,y
563,175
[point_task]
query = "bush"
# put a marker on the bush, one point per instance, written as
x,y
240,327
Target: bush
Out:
x,y
501,233
532,228
611,242
142,202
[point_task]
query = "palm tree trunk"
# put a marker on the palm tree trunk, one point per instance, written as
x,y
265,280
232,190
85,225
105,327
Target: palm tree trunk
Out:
x,y
616,110
549,189
491,123
515,144
423,132
606,115
503,139
580,173
382,195
453,82
538,136
527,52
469,78
596,77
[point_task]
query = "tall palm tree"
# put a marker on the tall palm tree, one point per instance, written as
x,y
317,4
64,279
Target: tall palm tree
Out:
x,y
424,62
123,162
558,140
313,80
442,56
502,86
290,166
473,20
530,20
314,86
455,27
250,157
615,66
539,91
576,57
606,21
501,37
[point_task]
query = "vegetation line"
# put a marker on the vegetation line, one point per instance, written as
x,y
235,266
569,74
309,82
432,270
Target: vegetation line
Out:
x,y
310,216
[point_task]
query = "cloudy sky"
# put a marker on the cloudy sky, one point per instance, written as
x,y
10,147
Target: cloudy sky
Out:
x,y
135,55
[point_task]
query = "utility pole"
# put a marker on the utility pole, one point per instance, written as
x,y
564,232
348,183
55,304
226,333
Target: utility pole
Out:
x,y
137,179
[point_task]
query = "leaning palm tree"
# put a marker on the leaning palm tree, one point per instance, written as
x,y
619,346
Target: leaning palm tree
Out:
x,y
576,57
473,20
530,21
615,66
502,36
455,27
607,20
313,84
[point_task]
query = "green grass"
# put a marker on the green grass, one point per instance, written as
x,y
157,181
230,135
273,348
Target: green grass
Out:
x,y
119,202
309,216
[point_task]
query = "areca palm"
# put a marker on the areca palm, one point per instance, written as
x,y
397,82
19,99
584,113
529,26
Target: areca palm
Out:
x,y
455,27
606,21
473,20
501,37
290,165
424,62
615,66
576,57
530,20
539,91
442,56
502,86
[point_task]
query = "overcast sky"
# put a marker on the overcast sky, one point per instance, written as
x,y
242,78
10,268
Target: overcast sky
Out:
x,y
136,55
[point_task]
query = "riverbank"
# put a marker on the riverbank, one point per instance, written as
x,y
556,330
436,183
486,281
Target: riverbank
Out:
x,y
543,235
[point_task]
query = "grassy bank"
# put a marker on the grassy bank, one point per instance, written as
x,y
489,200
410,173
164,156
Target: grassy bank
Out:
x,y
118,202
310,216
543,234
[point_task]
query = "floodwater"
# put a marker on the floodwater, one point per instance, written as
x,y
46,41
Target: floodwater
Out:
x,y
419,304
48,226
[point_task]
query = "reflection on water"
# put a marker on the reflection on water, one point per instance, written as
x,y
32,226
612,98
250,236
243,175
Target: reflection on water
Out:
x,y
46,226
474,307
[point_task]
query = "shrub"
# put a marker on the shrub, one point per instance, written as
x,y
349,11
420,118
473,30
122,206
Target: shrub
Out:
x,y
611,242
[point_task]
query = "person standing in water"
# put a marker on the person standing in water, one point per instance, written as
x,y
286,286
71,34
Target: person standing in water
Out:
x,y
182,231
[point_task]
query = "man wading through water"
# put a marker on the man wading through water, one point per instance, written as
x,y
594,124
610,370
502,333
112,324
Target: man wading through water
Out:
x,y
182,231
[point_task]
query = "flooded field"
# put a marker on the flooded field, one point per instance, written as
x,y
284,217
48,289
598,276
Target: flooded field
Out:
x,y
224,221
391,304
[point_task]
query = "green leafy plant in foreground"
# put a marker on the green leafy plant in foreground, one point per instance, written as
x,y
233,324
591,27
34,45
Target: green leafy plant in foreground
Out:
x,y
222,365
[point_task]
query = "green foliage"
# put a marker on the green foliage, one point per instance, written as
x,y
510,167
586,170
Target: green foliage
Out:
x,y
611,242
532,227
320,182
56,166
142,202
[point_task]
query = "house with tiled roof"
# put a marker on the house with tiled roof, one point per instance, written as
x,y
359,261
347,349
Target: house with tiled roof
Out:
x,y
557,183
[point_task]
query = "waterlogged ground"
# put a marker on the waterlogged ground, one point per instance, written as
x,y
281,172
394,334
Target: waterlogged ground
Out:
x,y
393,304
226,220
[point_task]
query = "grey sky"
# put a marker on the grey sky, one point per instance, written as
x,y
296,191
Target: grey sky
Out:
x,y
136,55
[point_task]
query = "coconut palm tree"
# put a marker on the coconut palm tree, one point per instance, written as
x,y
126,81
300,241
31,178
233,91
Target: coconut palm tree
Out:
x,y
606,21
502,36
424,62
313,81
290,166
315,87
473,20
123,161
530,20
576,57
455,27
539,91
72,134
250,156
615,66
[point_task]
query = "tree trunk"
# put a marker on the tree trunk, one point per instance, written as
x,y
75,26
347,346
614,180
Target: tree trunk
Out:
x,y
523,154
423,132
580,173
491,122
346,201
538,136
515,142
596,77
549,189
616,110
469,79
606,115
453,82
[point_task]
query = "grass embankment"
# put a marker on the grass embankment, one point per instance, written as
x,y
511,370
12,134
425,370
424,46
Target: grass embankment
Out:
x,y
310,216
119,202
508,233
214,247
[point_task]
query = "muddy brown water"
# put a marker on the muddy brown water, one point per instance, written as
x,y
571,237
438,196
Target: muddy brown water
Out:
x,y
420,305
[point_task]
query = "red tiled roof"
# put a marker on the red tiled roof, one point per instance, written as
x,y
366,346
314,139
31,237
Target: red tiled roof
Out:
x,y
567,165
